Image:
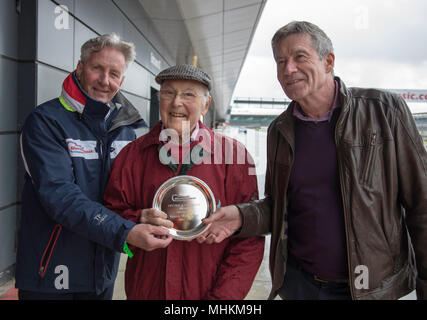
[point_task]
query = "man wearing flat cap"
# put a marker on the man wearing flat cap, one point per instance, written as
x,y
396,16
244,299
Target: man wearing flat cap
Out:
x,y
180,144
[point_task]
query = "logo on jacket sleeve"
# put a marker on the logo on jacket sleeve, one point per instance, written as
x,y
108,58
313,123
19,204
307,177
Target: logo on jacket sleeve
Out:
x,y
82,149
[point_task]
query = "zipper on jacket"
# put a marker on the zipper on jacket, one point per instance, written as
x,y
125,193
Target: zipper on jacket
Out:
x,y
103,151
104,157
44,262
343,196
369,162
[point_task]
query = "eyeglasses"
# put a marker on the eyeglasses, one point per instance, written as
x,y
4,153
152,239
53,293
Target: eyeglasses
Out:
x,y
186,96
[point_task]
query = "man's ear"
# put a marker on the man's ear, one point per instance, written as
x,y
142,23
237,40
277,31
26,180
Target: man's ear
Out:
x,y
206,105
79,70
329,61
121,82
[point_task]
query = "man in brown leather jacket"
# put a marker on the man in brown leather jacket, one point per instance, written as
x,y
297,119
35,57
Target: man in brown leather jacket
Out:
x,y
346,184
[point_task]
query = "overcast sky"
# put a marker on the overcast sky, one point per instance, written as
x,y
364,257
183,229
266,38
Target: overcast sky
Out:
x,y
378,43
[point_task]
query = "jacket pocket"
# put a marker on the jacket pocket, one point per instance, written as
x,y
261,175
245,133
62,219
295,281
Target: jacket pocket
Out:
x,y
44,262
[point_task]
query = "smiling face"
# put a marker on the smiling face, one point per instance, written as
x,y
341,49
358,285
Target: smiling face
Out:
x,y
301,72
102,74
178,112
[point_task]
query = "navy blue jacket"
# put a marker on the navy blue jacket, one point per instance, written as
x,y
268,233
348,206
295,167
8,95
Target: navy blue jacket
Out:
x,y
68,145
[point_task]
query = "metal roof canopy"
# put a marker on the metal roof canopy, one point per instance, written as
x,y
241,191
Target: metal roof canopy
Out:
x,y
220,32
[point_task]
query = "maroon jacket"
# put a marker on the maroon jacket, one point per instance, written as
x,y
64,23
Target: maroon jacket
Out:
x,y
186,270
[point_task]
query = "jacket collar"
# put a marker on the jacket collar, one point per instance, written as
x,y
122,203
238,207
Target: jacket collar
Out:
x,y
285,124
72,97
76,99
285,121
344,94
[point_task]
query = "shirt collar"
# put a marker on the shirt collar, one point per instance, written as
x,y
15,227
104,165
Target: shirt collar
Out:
x,y
297,112
164,138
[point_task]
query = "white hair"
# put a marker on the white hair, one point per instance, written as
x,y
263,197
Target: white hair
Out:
x,y
108,40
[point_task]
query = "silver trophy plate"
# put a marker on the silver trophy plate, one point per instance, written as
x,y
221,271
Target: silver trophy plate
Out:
x,y
186,200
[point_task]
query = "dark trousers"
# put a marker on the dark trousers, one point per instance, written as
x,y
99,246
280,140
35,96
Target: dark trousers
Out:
x,y
34,295
300,285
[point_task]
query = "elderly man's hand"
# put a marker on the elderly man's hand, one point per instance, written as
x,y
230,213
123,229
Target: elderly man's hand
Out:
x,y
223,223
155,217
149,237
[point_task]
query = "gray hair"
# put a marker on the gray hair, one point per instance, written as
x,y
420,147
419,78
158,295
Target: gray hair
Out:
x,y
321,41
108,40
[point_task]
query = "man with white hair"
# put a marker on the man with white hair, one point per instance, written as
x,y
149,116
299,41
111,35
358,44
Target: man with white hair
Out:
x,y
69,243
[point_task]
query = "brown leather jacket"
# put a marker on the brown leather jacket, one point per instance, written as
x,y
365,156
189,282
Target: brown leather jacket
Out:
x,y
383,175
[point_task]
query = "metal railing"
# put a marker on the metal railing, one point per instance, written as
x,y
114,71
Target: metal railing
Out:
x,y
267,103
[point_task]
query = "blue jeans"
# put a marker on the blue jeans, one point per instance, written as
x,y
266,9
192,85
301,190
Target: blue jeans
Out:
x,y
300,285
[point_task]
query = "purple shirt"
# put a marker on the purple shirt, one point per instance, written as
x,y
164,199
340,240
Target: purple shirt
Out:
x,y
316,230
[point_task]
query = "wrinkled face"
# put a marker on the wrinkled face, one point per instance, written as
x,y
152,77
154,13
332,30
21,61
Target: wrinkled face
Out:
x,y
182,102
102,74
300,71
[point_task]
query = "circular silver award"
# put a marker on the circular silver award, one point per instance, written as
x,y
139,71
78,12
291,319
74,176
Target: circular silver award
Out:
x,y
186,200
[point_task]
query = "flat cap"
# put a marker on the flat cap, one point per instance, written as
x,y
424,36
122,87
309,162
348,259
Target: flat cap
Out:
x,y
184,72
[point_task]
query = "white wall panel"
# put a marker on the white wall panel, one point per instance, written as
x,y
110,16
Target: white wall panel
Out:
x,y
55,36
137,81
102,16
81,35
49,82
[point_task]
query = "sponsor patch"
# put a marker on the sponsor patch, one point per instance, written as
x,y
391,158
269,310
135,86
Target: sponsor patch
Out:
x,y
82,149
